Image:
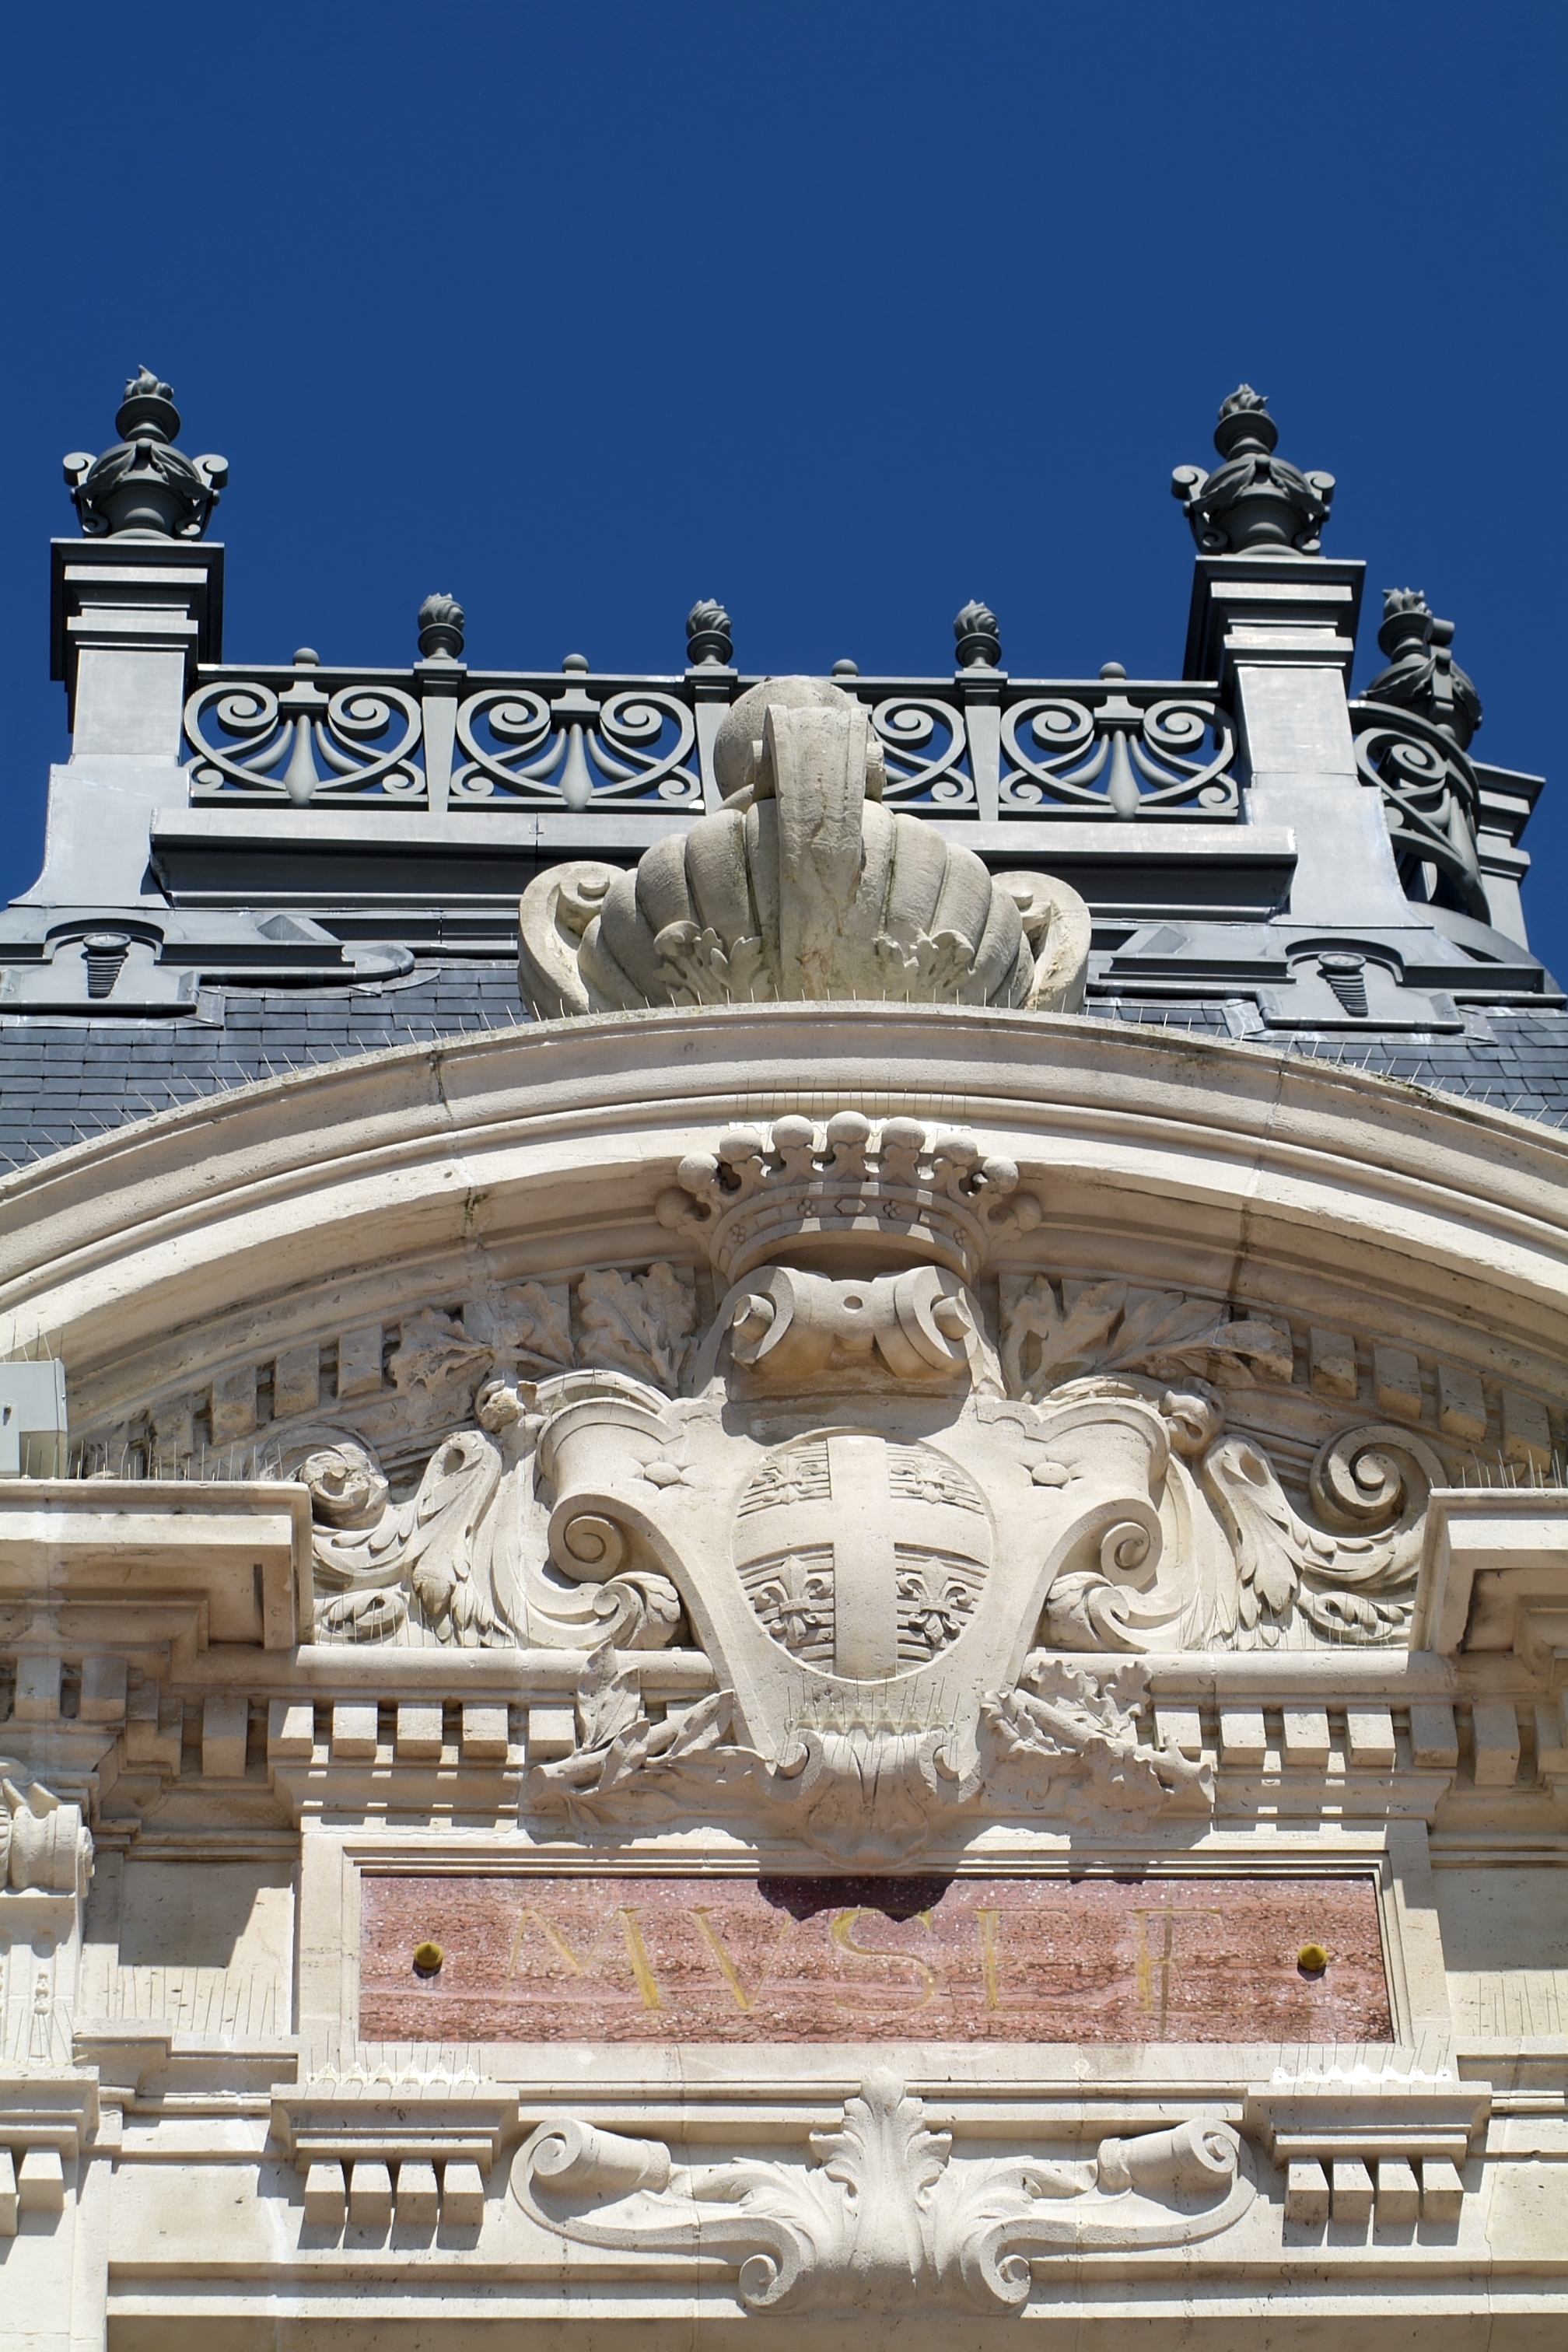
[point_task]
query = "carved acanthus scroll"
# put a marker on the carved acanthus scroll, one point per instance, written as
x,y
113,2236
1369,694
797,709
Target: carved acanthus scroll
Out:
x,y
452,1561
1349,1578
886,2215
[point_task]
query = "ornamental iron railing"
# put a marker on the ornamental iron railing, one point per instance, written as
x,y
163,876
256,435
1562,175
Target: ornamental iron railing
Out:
x,y
981,745
1431,796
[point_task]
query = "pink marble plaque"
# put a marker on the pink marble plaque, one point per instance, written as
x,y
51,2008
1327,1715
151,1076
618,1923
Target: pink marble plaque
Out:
x,y
611,1958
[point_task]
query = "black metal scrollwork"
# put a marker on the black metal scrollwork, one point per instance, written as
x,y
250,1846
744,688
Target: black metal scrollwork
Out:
x,y
1118,759
281,741
924,742
1431,798
578,750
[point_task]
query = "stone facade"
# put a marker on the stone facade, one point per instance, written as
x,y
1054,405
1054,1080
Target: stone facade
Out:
x,y
805,1630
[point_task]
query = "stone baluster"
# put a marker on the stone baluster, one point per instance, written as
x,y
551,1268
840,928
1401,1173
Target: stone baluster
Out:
x,y
711,675
441,676
980,680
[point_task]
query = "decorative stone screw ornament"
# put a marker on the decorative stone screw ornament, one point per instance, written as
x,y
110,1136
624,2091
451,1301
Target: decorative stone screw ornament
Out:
x,y
802,886
1255,503
144,484
43,1843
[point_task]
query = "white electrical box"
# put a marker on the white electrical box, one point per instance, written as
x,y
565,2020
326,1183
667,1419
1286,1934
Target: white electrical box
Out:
x,y
33,1420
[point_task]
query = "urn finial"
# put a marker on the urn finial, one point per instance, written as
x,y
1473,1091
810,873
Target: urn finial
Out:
x,y
708,637
978,632
1421,674
144,484
441,623
1254,503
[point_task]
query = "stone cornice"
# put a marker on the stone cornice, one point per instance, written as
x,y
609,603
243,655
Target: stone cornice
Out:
x,y
425,1151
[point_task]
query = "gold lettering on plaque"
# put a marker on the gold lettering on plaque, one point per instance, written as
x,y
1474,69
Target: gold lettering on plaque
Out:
x,y
1160,1963
552,1937
843,1934
631,1935
725,1960
636,1952
988,1922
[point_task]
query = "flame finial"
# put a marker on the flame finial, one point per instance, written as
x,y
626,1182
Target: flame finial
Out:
x,y
144,486
1254,503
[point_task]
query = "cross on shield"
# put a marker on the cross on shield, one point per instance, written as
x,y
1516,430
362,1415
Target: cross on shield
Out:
x,y
859,1555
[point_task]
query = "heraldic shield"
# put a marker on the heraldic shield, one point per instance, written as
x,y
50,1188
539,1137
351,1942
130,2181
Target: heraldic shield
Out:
x,y
860,1554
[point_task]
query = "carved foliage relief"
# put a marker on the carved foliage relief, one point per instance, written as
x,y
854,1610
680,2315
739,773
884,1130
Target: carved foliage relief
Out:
x,y
885,2215
924,1515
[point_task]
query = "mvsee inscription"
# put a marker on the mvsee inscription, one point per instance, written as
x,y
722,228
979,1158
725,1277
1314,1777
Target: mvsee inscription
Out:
x,y
871,1959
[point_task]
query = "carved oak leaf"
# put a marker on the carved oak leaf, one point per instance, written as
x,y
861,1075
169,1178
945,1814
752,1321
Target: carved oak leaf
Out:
x,y
430,1349
1069,1339
1045,1343
641,1324
530,1322
1081,1728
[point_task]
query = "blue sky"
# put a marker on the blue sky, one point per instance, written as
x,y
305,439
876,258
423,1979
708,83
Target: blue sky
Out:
x,y
842,313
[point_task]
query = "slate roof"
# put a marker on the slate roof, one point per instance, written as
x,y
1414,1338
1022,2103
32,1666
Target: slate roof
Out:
x,y
64,1078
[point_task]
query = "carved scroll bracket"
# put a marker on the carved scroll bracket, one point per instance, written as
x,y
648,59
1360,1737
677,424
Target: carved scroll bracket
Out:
x,y
886,2215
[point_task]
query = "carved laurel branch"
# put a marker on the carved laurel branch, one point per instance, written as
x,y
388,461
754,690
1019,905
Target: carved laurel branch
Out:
x,y
885,2216
1064,1742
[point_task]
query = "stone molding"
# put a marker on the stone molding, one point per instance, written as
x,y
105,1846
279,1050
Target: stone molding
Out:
x,y
456,1144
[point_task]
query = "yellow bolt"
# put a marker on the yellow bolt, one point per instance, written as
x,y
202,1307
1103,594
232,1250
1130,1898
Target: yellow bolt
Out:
x,y
1311,1959
428,1958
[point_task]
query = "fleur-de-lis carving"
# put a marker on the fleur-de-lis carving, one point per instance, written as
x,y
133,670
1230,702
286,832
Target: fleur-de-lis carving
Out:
x,y
795,1602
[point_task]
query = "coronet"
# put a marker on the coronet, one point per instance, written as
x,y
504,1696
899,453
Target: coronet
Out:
x,y
851,1195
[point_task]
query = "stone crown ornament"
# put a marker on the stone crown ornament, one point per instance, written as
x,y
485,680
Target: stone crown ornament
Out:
x,y
885,1197
1255,503
802,886
145,484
